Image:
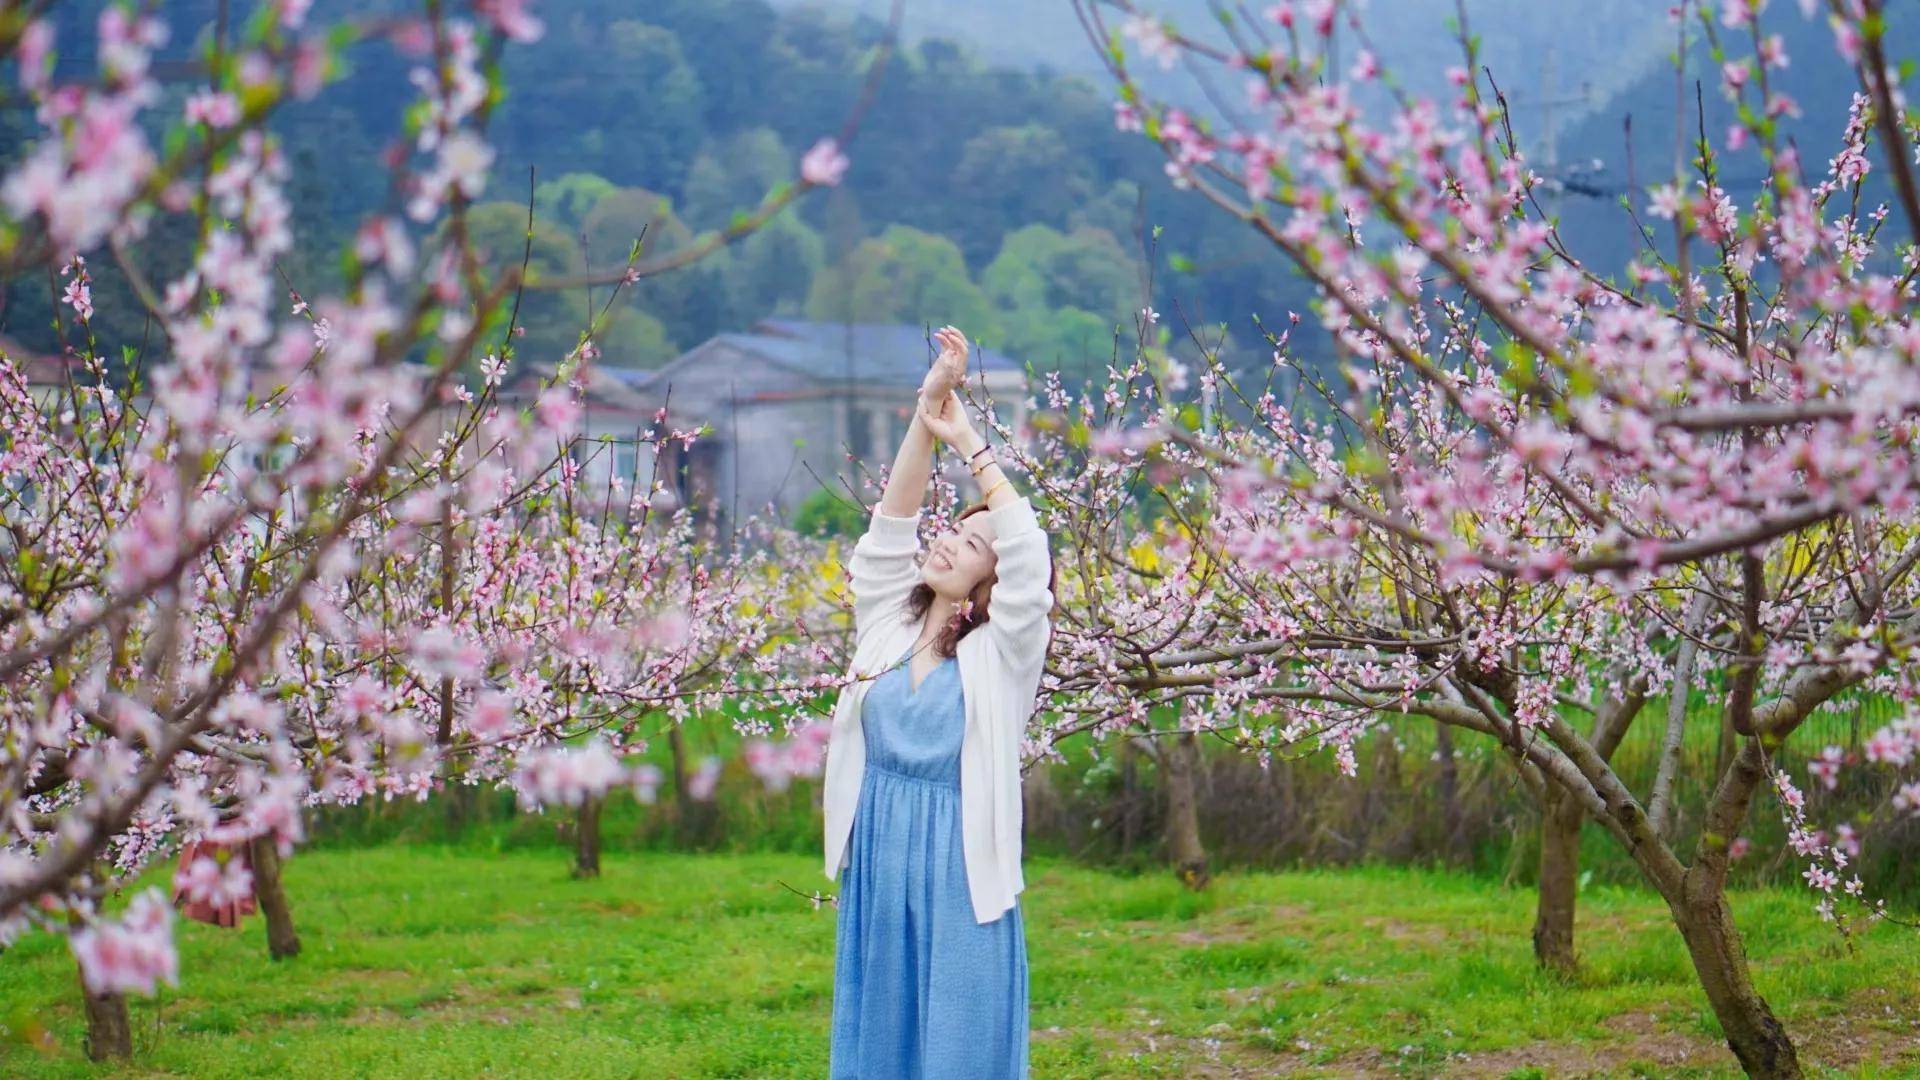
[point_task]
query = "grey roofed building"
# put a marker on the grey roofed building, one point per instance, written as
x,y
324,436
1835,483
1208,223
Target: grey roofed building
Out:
x,y
860,352
48,375
791,401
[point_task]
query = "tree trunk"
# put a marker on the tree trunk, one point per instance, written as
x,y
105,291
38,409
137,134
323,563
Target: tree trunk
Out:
x,y
282,941
1662,808
682,799
1450,816
460,802
692,818
1754,1035
457,794
1560,818
1295,839
1728,746
586,860
1181,759
109,1031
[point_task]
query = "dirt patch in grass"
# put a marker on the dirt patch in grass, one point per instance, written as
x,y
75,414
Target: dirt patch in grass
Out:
x,y
1244,997
1224,1052
1225,1056
629,908
1212,1056
1237,924
452,1004
1278,914
1216,935
1642,1040
362,978
1877,1027
1243,924
1872,1031
1622,924
1419,933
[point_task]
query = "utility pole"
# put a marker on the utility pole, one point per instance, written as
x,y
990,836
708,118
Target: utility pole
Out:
x,y
1547,150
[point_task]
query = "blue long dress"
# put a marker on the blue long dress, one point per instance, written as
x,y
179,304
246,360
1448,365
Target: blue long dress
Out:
x,y
921,990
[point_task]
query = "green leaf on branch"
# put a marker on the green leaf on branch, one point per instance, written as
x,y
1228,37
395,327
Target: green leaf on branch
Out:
x,y
1581,382
1362,460
1519,374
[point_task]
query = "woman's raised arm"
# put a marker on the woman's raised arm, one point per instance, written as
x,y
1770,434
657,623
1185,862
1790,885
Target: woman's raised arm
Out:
x,y
907,482
1022,600
882,567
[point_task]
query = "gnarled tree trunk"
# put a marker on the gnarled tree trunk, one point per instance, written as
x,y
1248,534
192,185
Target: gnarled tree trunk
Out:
x,y
271,893
1753,1032
1180,759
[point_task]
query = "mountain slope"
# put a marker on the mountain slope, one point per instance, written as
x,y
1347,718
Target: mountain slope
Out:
x,y
1561,45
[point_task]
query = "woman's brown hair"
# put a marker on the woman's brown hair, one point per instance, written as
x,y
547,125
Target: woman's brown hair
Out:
x,y
921,598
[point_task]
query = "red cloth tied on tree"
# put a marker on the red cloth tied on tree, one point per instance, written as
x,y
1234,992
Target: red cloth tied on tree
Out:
x,y
228,913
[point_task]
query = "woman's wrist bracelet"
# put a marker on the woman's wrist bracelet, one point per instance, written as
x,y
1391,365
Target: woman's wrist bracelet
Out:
x,y
988,494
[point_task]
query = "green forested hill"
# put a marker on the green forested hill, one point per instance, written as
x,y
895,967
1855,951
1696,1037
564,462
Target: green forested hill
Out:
x,y
1604,46
1005,195
988,186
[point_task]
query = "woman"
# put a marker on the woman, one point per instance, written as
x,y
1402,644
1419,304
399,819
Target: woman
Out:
x,y
923,767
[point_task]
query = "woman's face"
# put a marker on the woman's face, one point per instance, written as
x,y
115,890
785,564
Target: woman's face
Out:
x,y
959,560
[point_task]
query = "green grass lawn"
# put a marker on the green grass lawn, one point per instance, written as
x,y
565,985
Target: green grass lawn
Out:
x,y
430,961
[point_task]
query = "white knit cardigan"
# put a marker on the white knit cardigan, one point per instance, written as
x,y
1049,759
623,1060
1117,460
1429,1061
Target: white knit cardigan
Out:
x,y
1000,667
